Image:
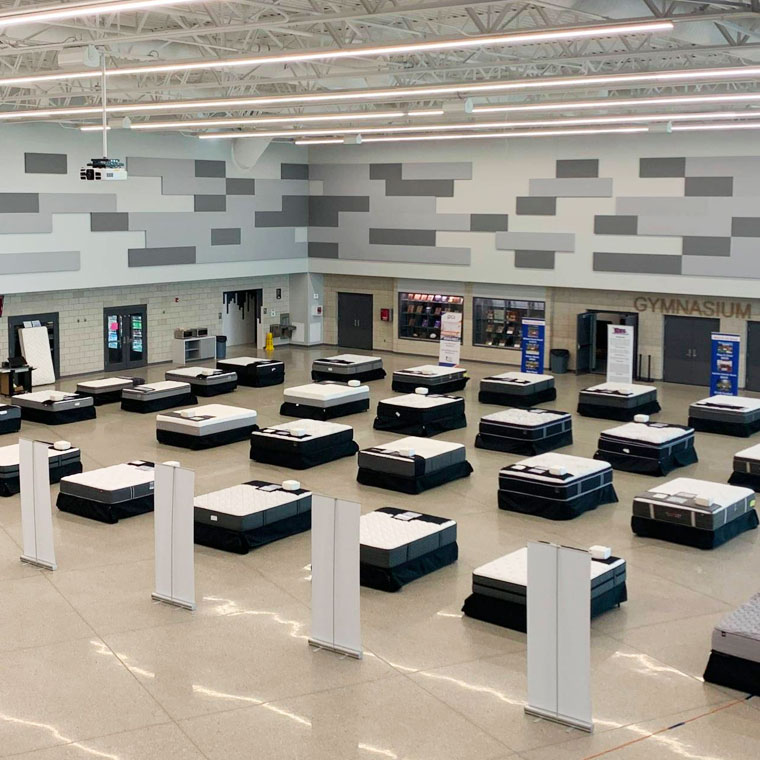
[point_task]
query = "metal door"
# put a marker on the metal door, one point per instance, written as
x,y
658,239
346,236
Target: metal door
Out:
x,y
585,343
125,337
752,382
687,348
355,320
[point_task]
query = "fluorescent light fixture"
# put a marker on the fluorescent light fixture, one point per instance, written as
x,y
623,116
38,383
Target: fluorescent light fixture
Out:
x,y
354,51
710,127
93,128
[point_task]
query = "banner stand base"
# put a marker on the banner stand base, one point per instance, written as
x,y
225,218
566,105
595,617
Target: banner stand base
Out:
x,y
563,719
38,562
175,602
335,648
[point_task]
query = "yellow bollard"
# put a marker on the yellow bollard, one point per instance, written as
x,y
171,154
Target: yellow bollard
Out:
x,y
270,343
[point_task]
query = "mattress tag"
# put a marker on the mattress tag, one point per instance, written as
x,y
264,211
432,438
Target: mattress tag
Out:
x,y
407,516
213,518
270,487
151,485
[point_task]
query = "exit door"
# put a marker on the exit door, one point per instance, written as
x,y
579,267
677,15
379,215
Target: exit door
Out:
x,y
687,349
125,337
355,320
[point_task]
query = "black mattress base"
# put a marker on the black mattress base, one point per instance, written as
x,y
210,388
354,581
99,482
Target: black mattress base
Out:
x,y
733,672
12,485
362,377
197,442
105,513
12,425
686,535
746,479
108,397
206,391
523,401
409,386
301,460
62,417
291,409
241,542
416,484
422,429
618,413
393,578
552,509
253,380
520,446
662,465
514,616
738,429
158,404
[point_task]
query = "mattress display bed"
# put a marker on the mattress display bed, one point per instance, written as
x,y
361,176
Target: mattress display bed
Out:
x,y
525,431
55,407
499,589
435,378
517,389
325,400
345,367
205,426
109,494
398,546
10,419
303,443
107,390
746,468
155,397
243,517
729,415
618,401
649,448
412,465
254,372
63,459
204,381
420,414
555,486
735,656
694,512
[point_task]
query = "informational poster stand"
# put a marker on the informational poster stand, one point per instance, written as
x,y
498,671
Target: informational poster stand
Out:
x,y
335,618
724,364
532,346
36,507
559,634
450,345
174,535
620,354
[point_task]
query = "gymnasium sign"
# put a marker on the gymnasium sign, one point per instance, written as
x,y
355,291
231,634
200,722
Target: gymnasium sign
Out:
x,y
694,307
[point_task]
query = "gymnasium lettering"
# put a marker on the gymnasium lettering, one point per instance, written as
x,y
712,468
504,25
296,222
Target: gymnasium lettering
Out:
x,y
693,307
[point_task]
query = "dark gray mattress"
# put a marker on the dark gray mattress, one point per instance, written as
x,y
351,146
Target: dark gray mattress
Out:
x,y
618,396
347,365
429,376
726,409
516,383
112,485
152,391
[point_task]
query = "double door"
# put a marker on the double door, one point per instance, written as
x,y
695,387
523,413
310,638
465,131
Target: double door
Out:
x,y
125,337
687,349
355,320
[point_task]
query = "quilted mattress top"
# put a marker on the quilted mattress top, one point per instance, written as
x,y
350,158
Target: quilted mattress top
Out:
x,y
649,432
386,531
197,372
575,466
42,396
526,417
245,499
721,493
304,429
622,389
327,391
743,621
740,403
430,370
424,447
213,411
420,401
521,378
105,383
116,476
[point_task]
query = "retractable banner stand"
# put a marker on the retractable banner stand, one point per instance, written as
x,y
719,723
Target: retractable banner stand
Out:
x,y
724,373
335,618
620,354
36,508
174,534
559,634
532,345
451,339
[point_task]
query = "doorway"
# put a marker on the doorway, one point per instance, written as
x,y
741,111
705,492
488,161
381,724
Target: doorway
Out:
x,y
125,333
355,320
49,320
591,338
687,349
752,382
241,317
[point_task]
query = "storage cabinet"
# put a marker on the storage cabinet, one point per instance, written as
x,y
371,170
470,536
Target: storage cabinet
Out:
x,y
420,314
497,322
186,350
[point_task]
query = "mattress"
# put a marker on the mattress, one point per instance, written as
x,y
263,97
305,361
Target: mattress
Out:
x,y
645,439
748,460
54,401
112,485
429,375
347,364
104,385
303,435
10,418
618,395
516,383
206,420
325,394
250,362
253,371
526,424
700,504
421,414
9,459
202,376
726,409
153,391
412,456
738,632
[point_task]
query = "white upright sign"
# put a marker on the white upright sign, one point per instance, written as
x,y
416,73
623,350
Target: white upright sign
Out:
x,y
620,354
174,528
451,334
559,634
36,509
335,618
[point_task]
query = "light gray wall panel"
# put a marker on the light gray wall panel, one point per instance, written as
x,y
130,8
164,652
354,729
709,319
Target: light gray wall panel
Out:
x,y
615,225
694,206
210,202
343,179
745,226
76,203
713,187
411,255
662,167
535,241
638,263
442,170
294,171
577,167
205,168
684,225
489,222
34,263
706,246
746,186
109,221
266,243
225,236
536,206
323,250
19,203
741,167
381,217
45,163
177,176
401,237
155,257
743,263
534,259
238,186
572,188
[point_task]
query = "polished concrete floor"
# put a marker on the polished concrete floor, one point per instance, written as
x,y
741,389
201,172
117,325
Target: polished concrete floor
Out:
x,y
90,667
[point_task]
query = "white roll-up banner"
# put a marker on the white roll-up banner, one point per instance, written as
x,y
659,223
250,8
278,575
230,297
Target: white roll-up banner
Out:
x,y
620,354
36,507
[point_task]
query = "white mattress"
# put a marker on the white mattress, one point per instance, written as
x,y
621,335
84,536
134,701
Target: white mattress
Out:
x,y
657,432
312,428
242,500
195,372
620,388
9,455
525,417
116,476
577,467
164,385
521,378
423,447
217,413
35,346
40,397
325,392
244,361
753,452
431,370
105,383
721,494
419,401
738,632
741,403
352,358
384,531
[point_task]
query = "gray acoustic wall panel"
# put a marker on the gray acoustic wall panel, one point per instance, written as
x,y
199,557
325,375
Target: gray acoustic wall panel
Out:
x,y
225,236
396,185
683,225
45,163
535,241
294,171
210,168
662,167
237,186
536,206
572,187
534,259
706,246
709,186
445,171
323,250
210,202
745,226
577,167
324,209
109,221
401,237
295,213
156,257
615,225
19,203
637,263
489,222
44,261
412,255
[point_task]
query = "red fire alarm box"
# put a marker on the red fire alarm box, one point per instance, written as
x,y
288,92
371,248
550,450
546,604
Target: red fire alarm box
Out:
x,y
386,315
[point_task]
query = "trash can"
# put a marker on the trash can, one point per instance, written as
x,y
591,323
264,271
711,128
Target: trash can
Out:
x,y
559,358
221,346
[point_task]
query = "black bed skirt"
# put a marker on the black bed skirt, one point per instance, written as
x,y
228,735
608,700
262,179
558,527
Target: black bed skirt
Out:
x,y
409,386
206,391
517,446
106,513
393,578
645,466
63,417
552,509
12,425
301,460
514,616
617,413
746,479
290,409
158,404
688,536
416,484
362,377
265,380
524,401
733,672
198,442
241,542
421,429
12,486
108,397
737,429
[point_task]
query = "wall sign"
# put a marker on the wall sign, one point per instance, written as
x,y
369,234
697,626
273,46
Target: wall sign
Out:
x,y
532,345
724,373
451,337
620,354
695,307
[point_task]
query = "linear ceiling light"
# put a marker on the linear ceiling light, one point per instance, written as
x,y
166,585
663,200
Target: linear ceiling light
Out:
x,y
709,127
519,38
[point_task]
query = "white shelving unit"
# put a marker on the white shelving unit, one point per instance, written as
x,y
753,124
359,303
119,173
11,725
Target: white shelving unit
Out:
x,y
186,350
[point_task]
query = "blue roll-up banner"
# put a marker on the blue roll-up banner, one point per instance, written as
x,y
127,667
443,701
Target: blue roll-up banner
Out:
x,y
532,344
724,374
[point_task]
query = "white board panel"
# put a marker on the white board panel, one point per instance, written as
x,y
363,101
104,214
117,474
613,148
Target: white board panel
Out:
x,y
35,346
36,507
